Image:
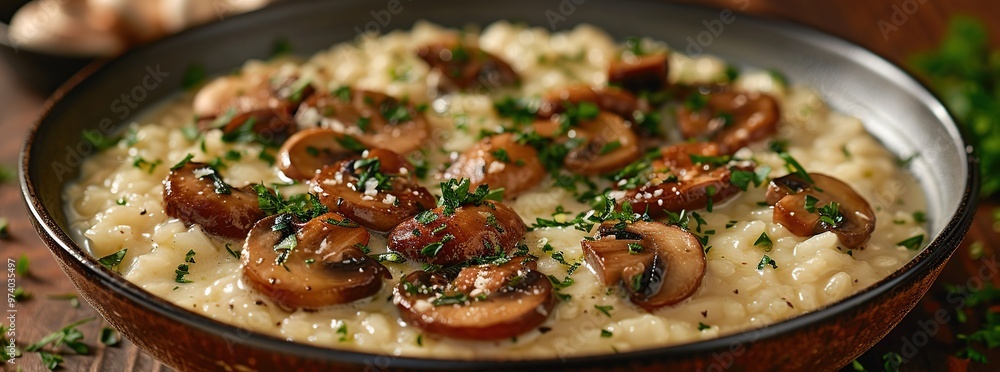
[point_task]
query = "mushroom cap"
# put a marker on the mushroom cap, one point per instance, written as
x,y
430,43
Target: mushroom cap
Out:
x,y
380,210
465,67
375,119
326,266
611,99
640,73
666,270
609,144
231,102
677,183
306,152
482,164
190,194
471,231
788,195
751,117
501,301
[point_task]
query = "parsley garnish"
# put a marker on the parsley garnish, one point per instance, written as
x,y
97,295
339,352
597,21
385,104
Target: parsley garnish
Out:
x,y
606,333
390,257
793,166
634,248
454,299
455,193
109,336
830,214
21,266
68,335
742,178
304,207
703,326
433,249
764,242
233,253
342,330
810,203
181,272
764,261
605,309
114,260
912,243
183,162
710,160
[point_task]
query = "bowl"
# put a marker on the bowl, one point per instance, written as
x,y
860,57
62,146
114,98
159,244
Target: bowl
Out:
x,y
39,71
894,107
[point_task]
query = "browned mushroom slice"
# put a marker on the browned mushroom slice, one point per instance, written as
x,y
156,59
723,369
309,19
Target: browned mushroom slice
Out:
x,y
375,119
375,194
639,73
607,144
306,152
499,161
438,237
659,264
313,264
678,183
485,302
731,119
826,204
611,99
196,194
466,67
267,109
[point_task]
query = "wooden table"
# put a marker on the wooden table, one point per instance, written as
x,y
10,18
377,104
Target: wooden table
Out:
x,y
877,25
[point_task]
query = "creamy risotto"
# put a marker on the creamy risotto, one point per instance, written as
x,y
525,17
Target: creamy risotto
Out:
x,y
774,247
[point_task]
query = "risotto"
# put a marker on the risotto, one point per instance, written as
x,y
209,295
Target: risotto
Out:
x,y
648,198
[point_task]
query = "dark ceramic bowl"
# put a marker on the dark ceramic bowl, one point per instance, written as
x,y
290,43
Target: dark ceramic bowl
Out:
x,y
893,106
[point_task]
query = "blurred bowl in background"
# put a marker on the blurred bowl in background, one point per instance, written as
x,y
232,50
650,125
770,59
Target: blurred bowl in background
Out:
x,y
39,71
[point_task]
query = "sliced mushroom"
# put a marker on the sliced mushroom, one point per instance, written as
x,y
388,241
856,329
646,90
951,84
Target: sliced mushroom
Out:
x,y
677,183
196,194
465,67
263,106
377,205
470,231
325,266
602,145
808,208
499,161
659,264
730,118
640,73
484,302
306,152
611,99
375,119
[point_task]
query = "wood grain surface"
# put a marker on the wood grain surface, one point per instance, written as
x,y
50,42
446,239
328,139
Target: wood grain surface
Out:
x,y
894,29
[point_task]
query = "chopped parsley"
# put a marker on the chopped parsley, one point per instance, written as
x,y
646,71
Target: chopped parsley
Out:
x,y
109,336
189,257
455,193
21,267
810,203
634,248
342,330
304,207
183,162
794,167
605,309
69,336
143,164
181,272
370,171
390,257
710,160
703,326
233,253
610,146
764,242
114,260
912,243
432,249
606,333
764,261
453,299
742,178
830,215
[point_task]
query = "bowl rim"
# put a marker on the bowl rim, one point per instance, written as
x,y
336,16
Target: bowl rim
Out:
x,y
936,253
